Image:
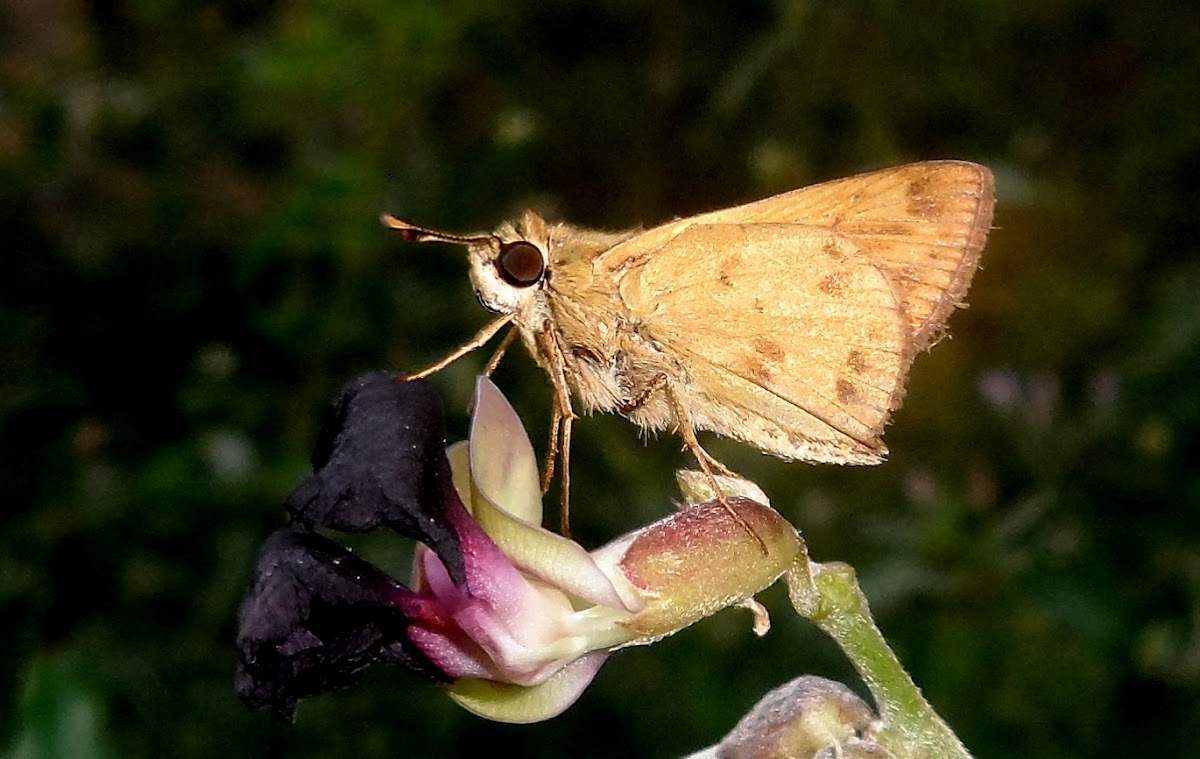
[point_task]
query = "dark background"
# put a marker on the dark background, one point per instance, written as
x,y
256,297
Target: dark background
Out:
x,y
193,264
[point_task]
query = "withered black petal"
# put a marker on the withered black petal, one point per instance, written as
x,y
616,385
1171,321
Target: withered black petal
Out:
x,y
381,461
313,618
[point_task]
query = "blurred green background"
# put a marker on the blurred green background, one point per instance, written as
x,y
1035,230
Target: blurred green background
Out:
x,y
189,194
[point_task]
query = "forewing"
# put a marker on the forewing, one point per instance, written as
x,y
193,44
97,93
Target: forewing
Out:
x,y
787,337
923,223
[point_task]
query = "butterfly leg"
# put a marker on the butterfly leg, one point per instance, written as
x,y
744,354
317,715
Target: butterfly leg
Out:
x,y
480,339
494,361
709,465
639,400
565,512
561,418
551,448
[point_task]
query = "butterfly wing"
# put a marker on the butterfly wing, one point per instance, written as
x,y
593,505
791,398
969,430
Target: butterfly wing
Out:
x,y
924,223
797,317
786,338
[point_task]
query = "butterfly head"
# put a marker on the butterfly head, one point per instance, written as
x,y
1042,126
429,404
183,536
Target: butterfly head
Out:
x,y
509,267
512,265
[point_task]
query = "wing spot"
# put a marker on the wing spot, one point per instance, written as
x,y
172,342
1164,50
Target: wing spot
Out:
x,y
729,268
847,393
831,249
833,284
753,368
856,361
922,202
768,349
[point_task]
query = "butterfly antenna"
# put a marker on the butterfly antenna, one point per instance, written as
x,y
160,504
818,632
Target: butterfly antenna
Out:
x,y
413,233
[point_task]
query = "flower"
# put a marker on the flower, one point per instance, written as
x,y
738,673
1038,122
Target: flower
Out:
x,y
515,620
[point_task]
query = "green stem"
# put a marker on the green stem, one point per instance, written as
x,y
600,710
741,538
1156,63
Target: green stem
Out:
x,y
828,595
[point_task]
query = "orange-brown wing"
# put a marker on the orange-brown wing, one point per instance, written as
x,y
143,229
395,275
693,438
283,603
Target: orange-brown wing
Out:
x,y
787,337
923,223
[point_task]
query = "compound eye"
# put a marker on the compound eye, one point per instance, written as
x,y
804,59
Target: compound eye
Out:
x,y
520,264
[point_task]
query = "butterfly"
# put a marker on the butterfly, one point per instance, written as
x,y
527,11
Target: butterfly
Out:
x,y
788,323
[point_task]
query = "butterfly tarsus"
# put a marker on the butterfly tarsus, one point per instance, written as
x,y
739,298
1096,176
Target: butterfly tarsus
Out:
x,y
709,465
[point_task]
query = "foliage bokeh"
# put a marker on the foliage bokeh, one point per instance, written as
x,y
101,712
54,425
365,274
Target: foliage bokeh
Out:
x,y
191,193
